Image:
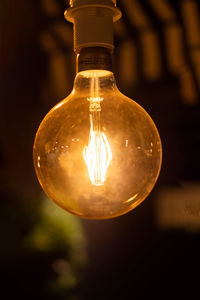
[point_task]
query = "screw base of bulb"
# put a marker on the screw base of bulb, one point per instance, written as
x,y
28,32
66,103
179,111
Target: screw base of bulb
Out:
x,y
94,58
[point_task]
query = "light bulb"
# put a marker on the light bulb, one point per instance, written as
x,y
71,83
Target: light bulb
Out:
x,y
97,153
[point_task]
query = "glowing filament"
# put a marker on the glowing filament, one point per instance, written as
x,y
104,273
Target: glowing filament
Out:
x,y
97,154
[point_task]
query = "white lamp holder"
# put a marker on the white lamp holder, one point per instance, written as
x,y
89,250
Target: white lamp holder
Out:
x,y
93,23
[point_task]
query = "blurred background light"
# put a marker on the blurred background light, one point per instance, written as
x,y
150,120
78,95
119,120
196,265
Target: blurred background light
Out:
x,y
178,207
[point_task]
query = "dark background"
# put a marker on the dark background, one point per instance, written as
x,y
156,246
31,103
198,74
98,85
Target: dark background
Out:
x,y
153,251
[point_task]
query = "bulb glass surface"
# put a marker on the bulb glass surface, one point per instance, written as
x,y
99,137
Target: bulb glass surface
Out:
x,y
97,153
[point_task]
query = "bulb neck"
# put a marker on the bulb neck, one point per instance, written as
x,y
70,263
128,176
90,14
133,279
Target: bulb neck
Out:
x,y
94,83
94,58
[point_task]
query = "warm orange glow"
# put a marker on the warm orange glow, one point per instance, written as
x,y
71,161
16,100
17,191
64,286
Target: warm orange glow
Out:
x,y
97,154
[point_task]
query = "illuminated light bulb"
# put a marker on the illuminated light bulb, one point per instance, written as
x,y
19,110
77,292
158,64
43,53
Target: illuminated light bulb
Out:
x,y
97,153
97,156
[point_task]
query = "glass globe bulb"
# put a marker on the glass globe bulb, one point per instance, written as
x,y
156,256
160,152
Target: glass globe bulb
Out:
x,y
97,153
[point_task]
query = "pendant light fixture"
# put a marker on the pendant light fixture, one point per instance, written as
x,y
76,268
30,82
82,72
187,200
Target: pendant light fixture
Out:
x,y
97,153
